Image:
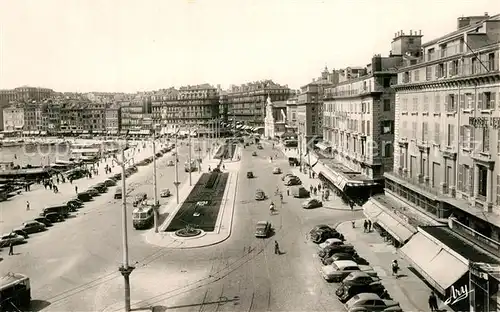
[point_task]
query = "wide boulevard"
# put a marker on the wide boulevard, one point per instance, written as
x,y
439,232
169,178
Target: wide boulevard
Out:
x,y
74,265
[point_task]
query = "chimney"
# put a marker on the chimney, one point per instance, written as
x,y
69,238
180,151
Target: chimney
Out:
x,y
420,32
486,14
411,32
402,33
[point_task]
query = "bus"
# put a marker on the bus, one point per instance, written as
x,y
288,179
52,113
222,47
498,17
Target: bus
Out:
x,y
15,292
143,217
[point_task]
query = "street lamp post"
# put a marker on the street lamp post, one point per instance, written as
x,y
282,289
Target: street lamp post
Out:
x,y
155,186
176,182
125,269
189,157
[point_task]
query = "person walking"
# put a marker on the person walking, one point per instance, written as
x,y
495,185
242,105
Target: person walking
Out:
x,y
365,226
369,225
433,304
27,205
319,187
11,249
276,248
76,189
395,268
287,191
315,190
311,188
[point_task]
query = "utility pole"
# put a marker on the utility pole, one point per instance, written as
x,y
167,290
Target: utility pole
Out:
x,y
156,204
125,269
176,182
189,157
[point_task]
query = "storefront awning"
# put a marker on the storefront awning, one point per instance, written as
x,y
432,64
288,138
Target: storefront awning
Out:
x,y
371,210
435,263
310,159
322,146
394,226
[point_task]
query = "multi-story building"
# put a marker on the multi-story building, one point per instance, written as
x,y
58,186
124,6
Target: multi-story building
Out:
x,y
162,102
275,120
113,118
246,103
442,195
26,93
72,117
291,114
30,117
94,118
197,107
136,116
13,118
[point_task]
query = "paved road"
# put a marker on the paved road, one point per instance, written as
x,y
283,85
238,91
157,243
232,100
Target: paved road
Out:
x,y
243,273
71,263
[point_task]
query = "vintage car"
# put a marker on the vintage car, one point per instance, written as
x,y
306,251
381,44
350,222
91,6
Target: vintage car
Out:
x,y
276,170
165,193
371,302
254,153
262,229
139,198
312,203
339,270
260,195
322,232
11,238
333,242
250,175
31,227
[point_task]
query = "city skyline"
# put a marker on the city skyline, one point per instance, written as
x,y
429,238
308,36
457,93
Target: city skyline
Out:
x,y
252,41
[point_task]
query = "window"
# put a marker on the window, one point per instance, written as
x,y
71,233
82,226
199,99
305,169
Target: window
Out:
x,y
404,107
404,130
363,127
451,103
451,135
460,184
386,127
387,82
474,66
368,128
486,140
428,73
388,150
414,130
487,101
498,190
406,77
387,105
426,103
483,180
491,62
453,70
416,76
437,103
415,104
441,70
469,101
425,131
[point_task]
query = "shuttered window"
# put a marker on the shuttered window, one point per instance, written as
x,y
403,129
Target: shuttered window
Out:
x,y
460,178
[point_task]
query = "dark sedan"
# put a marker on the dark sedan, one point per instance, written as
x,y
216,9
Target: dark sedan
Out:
x,y
31,227
44,221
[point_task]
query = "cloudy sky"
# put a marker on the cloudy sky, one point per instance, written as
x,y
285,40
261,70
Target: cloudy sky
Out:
x,y
131,45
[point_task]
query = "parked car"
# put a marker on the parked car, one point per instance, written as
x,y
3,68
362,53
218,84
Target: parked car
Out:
x,y
54,217
344,256
93,191
138,198
293,180
312,203
31,227
260,195
117,176
165,193
319,235
335,242
21,233
170,163
250,175
338,270
100,187
330,250
276,170
259,147
9,238
73,205
63,210
262,229
85,196
44,221
366,302
362,283
283,177
360,278
110,182
254,153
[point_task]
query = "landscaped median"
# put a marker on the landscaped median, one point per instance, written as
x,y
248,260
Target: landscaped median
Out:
x,y
205,215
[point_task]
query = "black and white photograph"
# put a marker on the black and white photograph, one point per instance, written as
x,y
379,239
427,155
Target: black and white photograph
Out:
x,y
249,155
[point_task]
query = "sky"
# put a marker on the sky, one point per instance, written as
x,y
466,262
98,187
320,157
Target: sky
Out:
x,y
140,45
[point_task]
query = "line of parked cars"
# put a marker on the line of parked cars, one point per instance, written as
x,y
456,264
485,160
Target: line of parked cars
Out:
x,y
359,287
58,213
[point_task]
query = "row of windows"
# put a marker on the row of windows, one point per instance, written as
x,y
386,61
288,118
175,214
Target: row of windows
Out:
x,y
467,100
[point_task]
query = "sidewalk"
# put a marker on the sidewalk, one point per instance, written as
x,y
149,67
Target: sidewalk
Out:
x,y
408,289
13,212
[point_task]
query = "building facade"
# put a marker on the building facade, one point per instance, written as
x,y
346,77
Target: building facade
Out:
x,y
26,93
246,103
291,114
447,120
309,116
275,120
13,118
113,118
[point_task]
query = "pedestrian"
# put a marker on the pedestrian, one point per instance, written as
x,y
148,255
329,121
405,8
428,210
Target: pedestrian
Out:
x,y
395,268
311,189
369,225
11,249
276,248
76,189
365,226
287,191
313,174
433,305
352,205
315,190
319,187
27,205
209,169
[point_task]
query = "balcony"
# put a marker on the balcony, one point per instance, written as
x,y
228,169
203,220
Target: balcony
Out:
x,y
332,93
416,183
474,236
